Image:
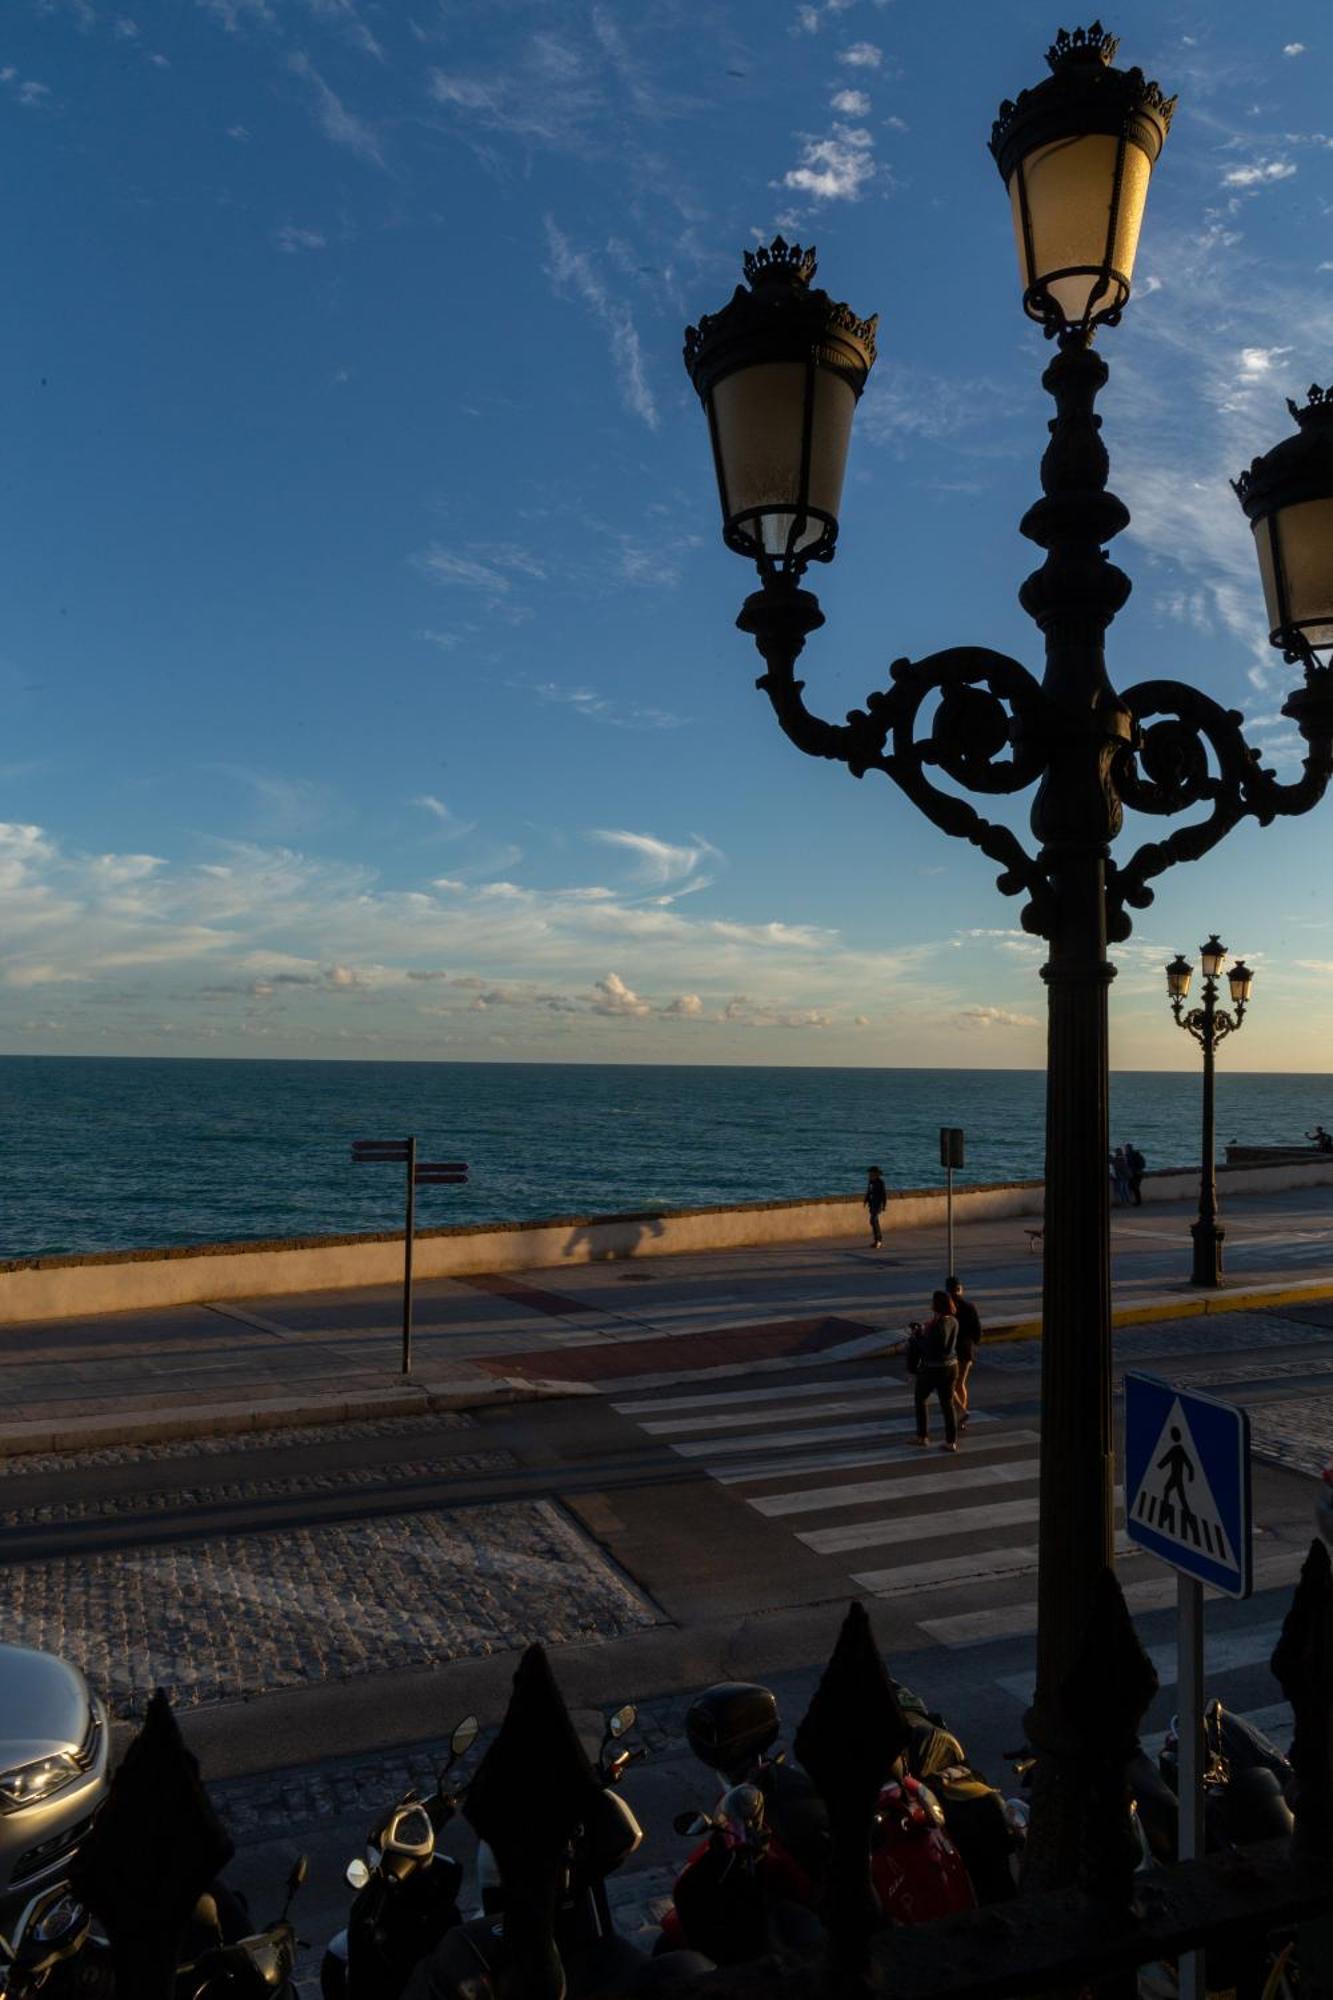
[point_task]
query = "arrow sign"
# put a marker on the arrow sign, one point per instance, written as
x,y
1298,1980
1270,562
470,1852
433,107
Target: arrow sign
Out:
x,y
365,1151
1187,1482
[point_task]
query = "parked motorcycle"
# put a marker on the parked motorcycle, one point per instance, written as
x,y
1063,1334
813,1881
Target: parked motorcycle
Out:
x,y
596,1962
57,1950
1245,1780
988,1830
406,1891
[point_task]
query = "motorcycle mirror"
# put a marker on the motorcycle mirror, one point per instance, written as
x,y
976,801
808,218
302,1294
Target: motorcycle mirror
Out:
x,y
300,1869
691,1823
464,1737
623,1720
357,1873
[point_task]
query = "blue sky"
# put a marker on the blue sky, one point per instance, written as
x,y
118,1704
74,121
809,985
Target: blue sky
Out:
x,y
367,666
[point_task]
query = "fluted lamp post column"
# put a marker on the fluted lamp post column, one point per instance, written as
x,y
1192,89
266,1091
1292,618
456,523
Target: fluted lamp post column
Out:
x,y
1209,1024
779,371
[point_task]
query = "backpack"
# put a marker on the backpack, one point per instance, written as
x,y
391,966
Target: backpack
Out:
x,y
916,1350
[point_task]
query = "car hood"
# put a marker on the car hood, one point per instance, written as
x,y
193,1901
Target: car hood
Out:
x,y
43,1706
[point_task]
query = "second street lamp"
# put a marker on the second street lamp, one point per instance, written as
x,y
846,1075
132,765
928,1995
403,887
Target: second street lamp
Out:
x,y
1076,154
1209,1024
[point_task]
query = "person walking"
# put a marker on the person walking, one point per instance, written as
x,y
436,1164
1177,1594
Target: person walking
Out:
x,y
937,1372
1120,1176
876,1200
1137,1166
969,1335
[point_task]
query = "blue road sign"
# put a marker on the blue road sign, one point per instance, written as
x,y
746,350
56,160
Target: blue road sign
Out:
x,y
1187,1482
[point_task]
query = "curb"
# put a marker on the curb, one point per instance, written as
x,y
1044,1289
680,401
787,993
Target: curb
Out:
x,y
93,1433
1183,1305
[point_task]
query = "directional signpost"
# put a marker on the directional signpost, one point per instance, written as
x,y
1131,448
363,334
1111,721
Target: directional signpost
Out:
x,y
423,1173
1187,1501
951,1156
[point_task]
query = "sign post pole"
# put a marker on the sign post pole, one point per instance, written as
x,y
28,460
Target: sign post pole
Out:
x,y
1189,1730
951,1156
408,1228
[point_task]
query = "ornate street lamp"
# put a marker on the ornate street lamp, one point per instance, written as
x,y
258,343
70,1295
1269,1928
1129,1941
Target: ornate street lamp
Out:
x,y
1209,1024
1076,154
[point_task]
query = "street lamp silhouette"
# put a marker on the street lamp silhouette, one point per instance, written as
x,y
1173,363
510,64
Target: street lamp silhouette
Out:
x,y
1209,1024
779,371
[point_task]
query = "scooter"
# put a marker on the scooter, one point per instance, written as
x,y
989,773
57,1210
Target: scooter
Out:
x,y
406,1891
1245,1779
988,1830
594,1962
47,1944
253,1968
741,1894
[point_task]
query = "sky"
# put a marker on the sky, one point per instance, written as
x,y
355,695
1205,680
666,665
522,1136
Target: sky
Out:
x,y
367,664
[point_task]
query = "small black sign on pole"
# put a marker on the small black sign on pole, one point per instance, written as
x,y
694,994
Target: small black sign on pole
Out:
x,y
429,1173
951,1156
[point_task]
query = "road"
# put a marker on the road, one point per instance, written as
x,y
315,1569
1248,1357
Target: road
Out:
x,y
325,1604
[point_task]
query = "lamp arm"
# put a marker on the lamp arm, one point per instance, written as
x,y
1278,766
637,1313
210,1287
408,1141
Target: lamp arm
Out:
x,y
983,695
1167,770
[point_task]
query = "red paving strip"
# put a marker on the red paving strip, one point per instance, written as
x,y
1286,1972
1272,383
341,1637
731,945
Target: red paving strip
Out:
x,y
664,1354
553,1303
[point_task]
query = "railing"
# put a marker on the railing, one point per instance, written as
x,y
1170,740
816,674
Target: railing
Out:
x,y
157,1843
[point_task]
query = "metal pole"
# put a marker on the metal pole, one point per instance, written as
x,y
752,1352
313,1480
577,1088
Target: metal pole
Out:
x,y
1189,1780
1207,1231
949,1266
1073,597
408,1230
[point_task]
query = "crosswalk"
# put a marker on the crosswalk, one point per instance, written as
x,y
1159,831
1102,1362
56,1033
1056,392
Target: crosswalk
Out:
x,y
836,1463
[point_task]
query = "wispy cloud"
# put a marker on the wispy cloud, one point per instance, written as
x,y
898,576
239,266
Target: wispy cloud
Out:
x,y
448,821
293,240
25,90
335,121
587,701
986,1018
862,55
659,862
573,269
489,567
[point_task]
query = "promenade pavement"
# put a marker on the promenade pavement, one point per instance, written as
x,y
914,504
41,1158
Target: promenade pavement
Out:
x,y
235,1367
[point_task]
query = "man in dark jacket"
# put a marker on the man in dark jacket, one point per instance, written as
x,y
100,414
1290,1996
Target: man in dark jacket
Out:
x,y
938,1373
875,1199
969,1336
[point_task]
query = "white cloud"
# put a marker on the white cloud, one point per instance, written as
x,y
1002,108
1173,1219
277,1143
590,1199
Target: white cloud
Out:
x,y
447,820
685,1006
1261,174
837,167
614,997
572,268
851,103
1293,49
239,133
597,707
993,1017
485,566
862,55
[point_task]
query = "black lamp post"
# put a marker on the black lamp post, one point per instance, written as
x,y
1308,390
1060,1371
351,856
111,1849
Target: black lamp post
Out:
x,y
779,370
1209,1025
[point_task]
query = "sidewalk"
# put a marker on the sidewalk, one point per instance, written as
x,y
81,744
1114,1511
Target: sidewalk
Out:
x,y
197,1371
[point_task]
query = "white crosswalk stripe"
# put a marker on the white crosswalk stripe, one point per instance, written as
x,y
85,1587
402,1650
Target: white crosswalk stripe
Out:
x,y
836,1461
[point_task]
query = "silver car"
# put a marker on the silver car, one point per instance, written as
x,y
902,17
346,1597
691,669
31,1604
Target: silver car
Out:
x,y
54,1744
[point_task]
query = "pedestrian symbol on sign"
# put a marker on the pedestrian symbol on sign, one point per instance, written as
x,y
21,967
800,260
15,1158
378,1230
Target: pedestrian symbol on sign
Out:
x,y
1175,1499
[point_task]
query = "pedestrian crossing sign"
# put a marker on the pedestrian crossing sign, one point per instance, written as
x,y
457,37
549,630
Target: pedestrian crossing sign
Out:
x,y
1187,1481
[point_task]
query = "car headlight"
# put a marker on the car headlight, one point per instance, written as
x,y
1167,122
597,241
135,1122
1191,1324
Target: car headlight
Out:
x,y
25,1784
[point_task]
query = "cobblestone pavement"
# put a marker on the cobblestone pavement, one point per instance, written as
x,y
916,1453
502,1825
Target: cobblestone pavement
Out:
x,y
1206,1334
175,1499
289,1803
222,1447
237,1615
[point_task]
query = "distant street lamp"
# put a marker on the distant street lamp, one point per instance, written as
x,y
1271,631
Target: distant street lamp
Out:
x,y
779,371
1209,1025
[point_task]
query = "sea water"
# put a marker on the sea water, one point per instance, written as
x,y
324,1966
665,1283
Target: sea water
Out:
x,y
102,1153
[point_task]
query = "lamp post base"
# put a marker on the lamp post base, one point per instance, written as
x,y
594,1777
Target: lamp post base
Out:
x,y
1207,1253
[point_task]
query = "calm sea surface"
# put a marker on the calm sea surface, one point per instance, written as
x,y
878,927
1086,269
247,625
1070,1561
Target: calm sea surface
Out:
x,y
101,1154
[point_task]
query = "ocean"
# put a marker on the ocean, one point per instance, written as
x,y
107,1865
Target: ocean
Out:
x,y
103,1153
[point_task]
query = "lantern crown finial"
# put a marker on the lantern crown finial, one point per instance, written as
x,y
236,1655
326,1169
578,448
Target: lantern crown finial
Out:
x,y
1317,409
1083,45
780,259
